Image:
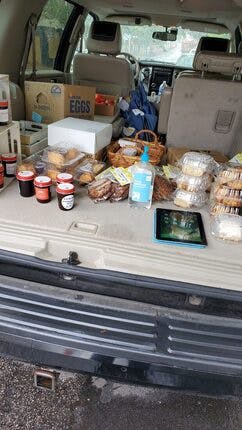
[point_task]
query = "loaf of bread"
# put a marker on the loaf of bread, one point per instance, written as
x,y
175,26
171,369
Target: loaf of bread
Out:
x,y
100,190
163,188
119,192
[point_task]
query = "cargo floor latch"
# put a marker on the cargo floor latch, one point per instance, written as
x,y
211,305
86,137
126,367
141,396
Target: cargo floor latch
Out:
x,y
72,259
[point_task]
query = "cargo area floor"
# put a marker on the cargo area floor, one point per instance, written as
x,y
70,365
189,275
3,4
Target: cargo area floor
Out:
x,y
113,237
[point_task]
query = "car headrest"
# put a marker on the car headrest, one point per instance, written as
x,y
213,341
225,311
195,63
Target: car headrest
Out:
x,y
104,38
218,62
214,44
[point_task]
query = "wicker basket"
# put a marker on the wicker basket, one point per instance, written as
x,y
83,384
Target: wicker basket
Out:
x,y
156,151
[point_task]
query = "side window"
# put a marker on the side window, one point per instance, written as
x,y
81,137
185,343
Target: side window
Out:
x,y
49,31
88,23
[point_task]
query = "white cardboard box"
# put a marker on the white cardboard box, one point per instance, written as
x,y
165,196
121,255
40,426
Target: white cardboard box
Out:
x,y
89,136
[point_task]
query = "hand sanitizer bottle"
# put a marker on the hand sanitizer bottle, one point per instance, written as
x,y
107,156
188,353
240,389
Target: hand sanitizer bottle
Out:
x,y
142,182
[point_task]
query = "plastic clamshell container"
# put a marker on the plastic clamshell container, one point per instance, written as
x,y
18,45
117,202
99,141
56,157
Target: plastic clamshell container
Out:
x,y
62,156
231,175
53,171
33,163
88,170
227,227
218,208
227,196
197,164
185,199
194,183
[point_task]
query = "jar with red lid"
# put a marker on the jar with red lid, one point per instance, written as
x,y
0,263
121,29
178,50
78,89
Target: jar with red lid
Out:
x,y
65,195
4,117
64,178
42,186
1,176
9,162
26,183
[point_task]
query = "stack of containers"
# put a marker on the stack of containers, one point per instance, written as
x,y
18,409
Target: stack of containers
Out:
x,y
226,203
195,179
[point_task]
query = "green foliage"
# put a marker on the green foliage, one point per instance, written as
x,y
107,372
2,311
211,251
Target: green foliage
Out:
x,y
57,11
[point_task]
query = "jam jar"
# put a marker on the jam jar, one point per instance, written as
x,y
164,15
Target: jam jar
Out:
x,y
42,186
64,178
26,183
9,164
1,176
65,195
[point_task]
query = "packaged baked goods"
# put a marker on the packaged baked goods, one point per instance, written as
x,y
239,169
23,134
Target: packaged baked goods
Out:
x,y
163,188
230,175
227,227
185,199
197,164
119,192
88,170
194,183
100,190
33,164
226,196
218,208
60,155
53,171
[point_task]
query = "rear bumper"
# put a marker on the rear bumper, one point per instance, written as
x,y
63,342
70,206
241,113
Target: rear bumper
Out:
x,y
119,338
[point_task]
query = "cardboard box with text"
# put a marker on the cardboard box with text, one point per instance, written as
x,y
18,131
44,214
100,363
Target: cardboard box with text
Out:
x,y
50,102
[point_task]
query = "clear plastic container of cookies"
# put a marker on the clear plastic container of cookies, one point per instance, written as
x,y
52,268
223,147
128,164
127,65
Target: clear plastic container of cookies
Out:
x,y
34,163
197,164
86,172
185,199
226,196
227,227
218,208
53,170
230,174
62,155
194,183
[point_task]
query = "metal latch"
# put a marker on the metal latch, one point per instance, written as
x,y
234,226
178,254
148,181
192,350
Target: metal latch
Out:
x,y
72,259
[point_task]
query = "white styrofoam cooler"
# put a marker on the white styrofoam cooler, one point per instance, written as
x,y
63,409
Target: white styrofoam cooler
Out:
x,y
89,136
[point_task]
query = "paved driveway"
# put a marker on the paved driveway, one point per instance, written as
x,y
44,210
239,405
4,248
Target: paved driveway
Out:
x,y
84,403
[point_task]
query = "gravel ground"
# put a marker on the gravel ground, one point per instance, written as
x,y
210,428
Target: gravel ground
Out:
x,y
82,402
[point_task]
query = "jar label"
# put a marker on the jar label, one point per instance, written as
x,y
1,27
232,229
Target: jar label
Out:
x,y
68,202
142,189
42,193
11,168
1,179
3,115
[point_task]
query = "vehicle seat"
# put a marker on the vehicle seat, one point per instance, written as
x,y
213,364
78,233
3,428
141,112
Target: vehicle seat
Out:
x,y
100,67
206,111
205,44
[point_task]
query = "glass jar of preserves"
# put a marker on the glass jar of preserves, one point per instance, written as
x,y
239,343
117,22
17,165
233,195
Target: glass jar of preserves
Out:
x,y
64,178
65,195
26,183
42,185
9,162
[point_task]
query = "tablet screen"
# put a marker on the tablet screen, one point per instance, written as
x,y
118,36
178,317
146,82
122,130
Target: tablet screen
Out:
x,y
179,226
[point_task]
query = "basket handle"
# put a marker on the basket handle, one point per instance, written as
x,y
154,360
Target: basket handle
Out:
x,y
147,131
